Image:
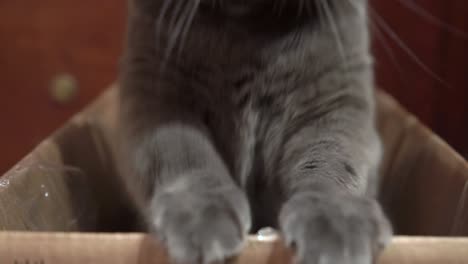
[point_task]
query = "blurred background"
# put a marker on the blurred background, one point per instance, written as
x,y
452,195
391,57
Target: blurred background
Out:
x,y
421,50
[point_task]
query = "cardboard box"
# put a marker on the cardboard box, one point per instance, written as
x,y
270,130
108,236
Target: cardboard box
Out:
x,y
67,191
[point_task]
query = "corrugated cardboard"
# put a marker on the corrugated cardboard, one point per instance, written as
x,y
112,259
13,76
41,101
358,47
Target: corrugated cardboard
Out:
x,y
68,184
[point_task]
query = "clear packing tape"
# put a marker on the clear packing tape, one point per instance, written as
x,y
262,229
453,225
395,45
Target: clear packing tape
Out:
x,y
70,183
42,203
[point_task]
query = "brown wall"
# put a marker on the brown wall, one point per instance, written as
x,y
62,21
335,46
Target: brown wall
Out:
x,y
439,98
40,39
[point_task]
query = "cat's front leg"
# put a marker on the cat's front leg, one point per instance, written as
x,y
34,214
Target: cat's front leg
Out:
x,y
194,207
328,216
200,222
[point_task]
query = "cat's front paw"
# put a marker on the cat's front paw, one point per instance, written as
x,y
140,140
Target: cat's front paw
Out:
x,y
334,229
201,225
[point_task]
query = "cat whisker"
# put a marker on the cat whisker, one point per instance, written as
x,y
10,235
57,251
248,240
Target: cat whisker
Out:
x,y
390,54
176,14
174,23
390,33
460,213
178,26
415,8
160,19
188,24
319,13
332,23
356,6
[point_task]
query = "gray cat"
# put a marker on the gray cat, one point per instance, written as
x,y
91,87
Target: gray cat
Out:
x,y
240,114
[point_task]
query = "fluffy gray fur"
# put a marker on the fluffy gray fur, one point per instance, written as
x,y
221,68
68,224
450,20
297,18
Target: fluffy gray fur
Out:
x,y
243,114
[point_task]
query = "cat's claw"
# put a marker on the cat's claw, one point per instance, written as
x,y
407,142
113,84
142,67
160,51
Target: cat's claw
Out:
x,y
331,229
201,226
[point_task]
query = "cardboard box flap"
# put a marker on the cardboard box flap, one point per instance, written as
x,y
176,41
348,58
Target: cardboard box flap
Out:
x,y
34,195
70,182
424,190
425,182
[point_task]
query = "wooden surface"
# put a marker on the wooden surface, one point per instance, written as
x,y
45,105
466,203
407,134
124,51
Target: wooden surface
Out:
x,y
39,39
141,249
